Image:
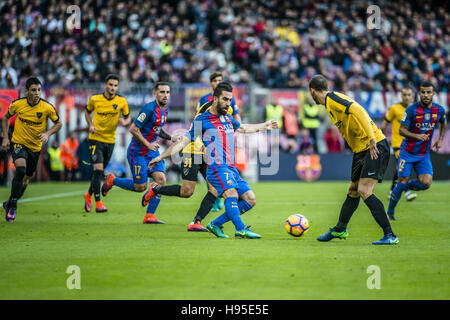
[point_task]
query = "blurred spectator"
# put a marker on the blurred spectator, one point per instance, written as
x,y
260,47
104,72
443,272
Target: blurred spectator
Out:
x,y
306,142
310,115
290,127
279,43
275,112
55,166
333,140
69,156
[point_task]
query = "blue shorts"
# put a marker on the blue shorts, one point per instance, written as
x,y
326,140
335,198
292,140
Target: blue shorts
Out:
x,y
224,177
408,161
139,166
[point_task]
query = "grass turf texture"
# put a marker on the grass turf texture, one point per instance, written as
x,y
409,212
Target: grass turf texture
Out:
x,y
121,258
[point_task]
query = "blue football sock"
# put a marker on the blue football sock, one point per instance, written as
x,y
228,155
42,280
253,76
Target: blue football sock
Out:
x,y
153,204
124,183
232,211
416,185
396,195
244,206
220,220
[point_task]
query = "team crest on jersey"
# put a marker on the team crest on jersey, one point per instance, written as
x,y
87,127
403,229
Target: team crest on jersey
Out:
x,y
427,116
222,118
141,117
115,106
39,114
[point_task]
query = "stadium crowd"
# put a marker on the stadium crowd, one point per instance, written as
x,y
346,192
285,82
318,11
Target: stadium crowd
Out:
x,y
275,43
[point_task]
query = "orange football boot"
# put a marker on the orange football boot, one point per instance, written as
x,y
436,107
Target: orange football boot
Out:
x,y
148,195
87,202
150,218
100,207
196,227
108,184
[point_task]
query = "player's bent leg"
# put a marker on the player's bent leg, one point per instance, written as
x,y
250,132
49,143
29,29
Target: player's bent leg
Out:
x,y
203,210
376,207
400,187
187,189
160,178
16,187
423,182
348,208
246,201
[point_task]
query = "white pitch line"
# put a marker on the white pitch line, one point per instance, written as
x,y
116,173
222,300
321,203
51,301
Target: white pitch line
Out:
x,y
53,196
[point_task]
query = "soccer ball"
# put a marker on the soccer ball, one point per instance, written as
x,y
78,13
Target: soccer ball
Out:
x,y
297,225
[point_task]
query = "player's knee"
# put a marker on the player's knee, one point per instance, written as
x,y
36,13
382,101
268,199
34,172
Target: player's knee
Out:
x,y
353,192
251,201
186,192
426,182
363,192
140,187
161,180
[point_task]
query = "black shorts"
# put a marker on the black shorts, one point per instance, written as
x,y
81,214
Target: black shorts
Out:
x,y
191,165
364,167
31,157
101,152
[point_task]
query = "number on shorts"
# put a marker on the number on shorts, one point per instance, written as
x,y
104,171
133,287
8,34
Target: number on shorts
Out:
x,y
137,169
93,148
188,162
401,164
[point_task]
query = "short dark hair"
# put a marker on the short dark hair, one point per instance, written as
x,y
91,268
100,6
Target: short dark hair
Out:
x,y
111,76
31,81
223,86
160,83
215,75
319,83
426,84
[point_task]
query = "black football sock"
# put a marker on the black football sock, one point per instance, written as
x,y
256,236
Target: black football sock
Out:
x,y
348,208
24,187
90,187
16,186
205,207
172,190
394,180
96,182
379,214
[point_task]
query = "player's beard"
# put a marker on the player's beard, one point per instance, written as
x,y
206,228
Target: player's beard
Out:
x,y
222,110
422,102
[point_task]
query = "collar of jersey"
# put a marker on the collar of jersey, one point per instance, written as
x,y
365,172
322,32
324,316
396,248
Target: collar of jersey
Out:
x,y
33,105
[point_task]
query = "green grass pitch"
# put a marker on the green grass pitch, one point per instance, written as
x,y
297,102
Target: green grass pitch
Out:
x,y
121,258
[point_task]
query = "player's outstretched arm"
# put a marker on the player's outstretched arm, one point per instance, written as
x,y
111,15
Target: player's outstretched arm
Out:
x,y
175,148
251,128
163,134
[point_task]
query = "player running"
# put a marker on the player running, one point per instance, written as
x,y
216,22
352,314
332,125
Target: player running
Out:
x,y
417,126
102,134
395,115
370,158
193,162
29,133
143,148
216,127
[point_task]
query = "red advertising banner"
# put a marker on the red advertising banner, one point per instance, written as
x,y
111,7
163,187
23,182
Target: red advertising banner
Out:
x,y
6,97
